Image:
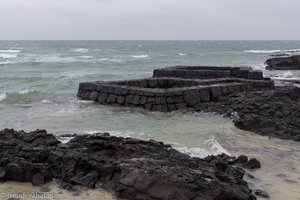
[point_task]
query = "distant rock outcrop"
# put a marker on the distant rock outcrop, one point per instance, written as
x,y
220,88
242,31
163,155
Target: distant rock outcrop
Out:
x,y
284,63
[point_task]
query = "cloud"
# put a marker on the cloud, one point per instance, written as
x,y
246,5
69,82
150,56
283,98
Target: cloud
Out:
x,y
149,19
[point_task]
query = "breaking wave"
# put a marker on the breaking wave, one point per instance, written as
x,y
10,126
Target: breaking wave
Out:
x,y
7,55
20,96
212,147
10,51
272,51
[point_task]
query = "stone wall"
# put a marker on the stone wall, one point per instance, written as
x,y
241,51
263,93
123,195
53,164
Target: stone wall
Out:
x,y
208,72
165,94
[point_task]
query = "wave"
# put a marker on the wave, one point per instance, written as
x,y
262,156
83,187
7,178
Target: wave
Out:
x,y
7,55
20,96
182,54
10,51
80,50
212,147
2,96
7,63
288,75
86,57
273,51
262,51
139,56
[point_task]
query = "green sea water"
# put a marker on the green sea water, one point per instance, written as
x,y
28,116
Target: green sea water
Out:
x,y
39,82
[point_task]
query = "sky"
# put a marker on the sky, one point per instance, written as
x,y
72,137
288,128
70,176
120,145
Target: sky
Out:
x,y
149,19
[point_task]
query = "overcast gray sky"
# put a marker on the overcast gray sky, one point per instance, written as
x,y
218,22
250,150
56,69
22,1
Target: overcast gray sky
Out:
x,y
150,19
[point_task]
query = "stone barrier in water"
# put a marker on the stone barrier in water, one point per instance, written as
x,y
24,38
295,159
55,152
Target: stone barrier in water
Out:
x,y
166,93
208,72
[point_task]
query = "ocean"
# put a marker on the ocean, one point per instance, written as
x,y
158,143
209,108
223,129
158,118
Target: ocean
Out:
x,y
39,82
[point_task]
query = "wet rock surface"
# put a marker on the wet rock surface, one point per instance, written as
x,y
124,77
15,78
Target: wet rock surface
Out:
x,y
284,63
131,168
274,113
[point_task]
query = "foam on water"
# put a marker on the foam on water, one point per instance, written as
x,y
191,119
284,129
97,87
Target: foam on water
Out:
x,y
3,96
80,50
7,62
86,57
25,95
7,55
182,54
139,56
262,51
212,147
10,51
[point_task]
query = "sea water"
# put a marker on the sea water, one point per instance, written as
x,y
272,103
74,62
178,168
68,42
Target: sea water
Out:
x,y
39,81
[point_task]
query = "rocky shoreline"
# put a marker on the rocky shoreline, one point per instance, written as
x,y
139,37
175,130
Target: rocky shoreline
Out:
x,y
131,168
274,113
283,63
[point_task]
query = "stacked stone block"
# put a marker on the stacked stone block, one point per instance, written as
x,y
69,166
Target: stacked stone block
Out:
x,y
163,94
208,72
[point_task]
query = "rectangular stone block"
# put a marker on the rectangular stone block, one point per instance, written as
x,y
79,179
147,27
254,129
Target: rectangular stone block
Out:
x,y
149,93
204,94
171,107
230,89
152,83
143,83
192,97
129,99
94,95
111,98
136,100
255,74
125,91
118,91
111,89
143,100
224,90
178,99
121,100
170,100
180,106
102,97
216,91
160,100
151,99
148,106
99,88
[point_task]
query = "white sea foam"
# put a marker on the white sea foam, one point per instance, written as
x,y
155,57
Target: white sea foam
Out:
x,y
182,54
86,57
212,147
46,101
3,96
139,56
55,58
7,63
7,55
25,91
193,152
10,51
288,75
110,59
273,51
80,50
262,51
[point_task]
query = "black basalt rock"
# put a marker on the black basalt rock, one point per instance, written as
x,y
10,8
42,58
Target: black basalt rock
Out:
x,y
131,168
284,63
